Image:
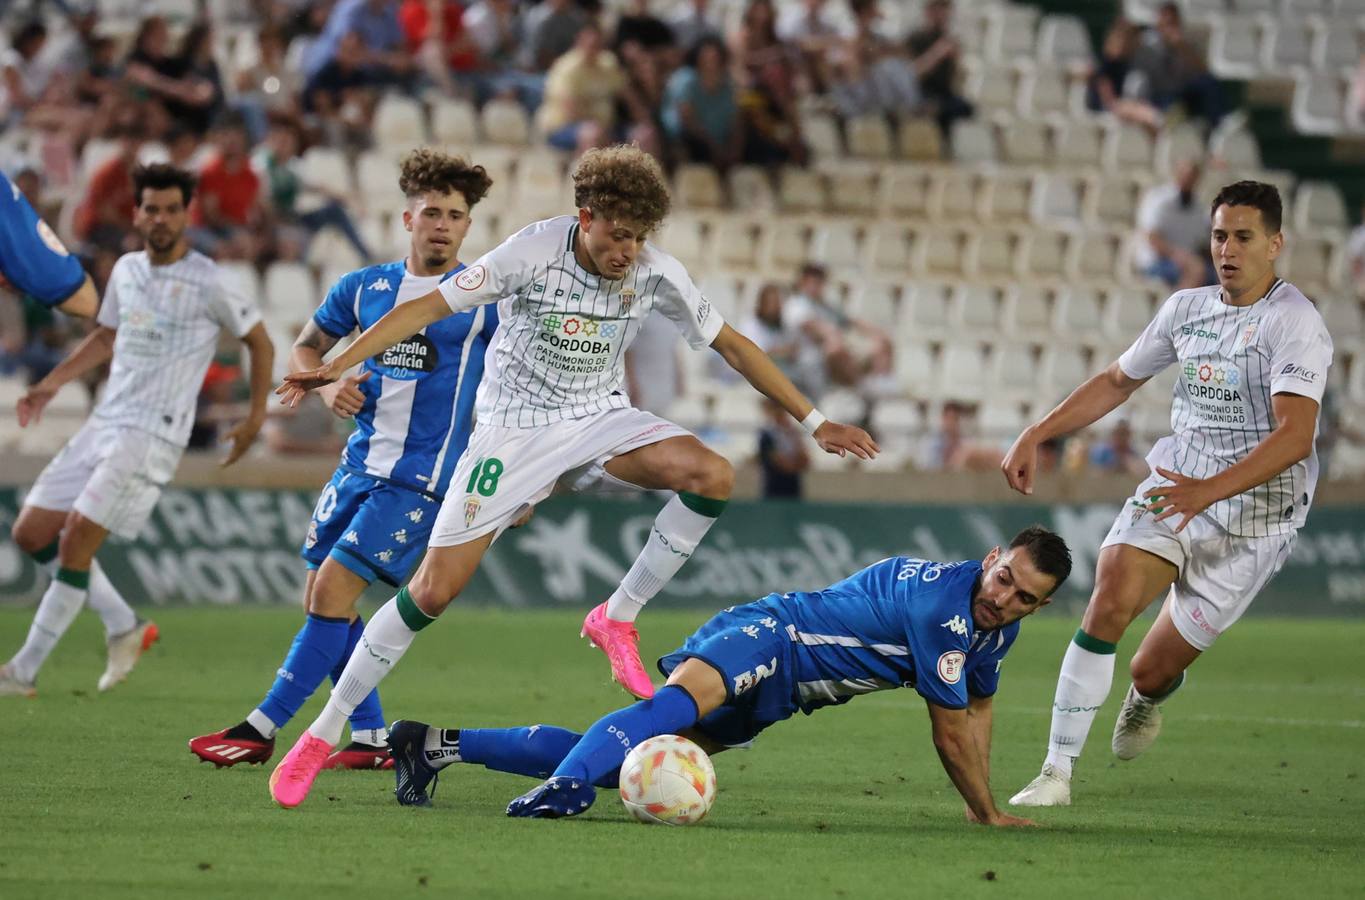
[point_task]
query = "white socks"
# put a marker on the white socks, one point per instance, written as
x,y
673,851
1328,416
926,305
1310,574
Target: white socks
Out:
x,y
262,723
1082,686
60,604
104,598
678,528
386,638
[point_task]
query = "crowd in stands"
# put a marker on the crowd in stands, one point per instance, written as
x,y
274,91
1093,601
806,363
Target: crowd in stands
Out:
x,y
721,83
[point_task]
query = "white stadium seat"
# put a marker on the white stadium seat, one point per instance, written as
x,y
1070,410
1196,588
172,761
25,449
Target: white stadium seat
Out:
x,y
326,166
919,140
399,122
1318,204
1043,92
1027,312
1287,45
1319,103
973,142
454,122
887,249
1064,39
952,196
1127,147
698,187
1004,196
1235,48
869,137
751,190
290,289
505,122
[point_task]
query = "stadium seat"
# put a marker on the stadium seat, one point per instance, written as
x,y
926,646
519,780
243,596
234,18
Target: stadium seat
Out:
x,y
289,289
1287,45
914,366
723,291
377,180
938,253
989,254
905,191
1308,262
324,165
1010,33
1092,255
801,190
1318,104
887,249
1061,368
1001,420
973,142
1079,143
1318,204
1110,200
1042,92
399,122
505,122
976,308
331,246
1064,40
454,122
820,130
924,312
919,140
734,244
241,278
1335,48
1235,48
876,301
869,137
1237,149
1056,200
1126,313
1344,320
836,245
852,191
682,237
893,421
1027,312
962,372
1025,143
697,186
1077,315
1178,144
786,244
952,196
1043,255
1127,148
751,190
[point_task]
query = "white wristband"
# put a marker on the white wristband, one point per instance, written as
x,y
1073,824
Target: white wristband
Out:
x,y
813,421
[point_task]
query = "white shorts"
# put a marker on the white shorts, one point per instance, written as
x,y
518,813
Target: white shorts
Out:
x,y
110,474
1220,573
506,471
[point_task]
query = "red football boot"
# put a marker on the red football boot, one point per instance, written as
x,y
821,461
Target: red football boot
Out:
x,y
222,750
356,755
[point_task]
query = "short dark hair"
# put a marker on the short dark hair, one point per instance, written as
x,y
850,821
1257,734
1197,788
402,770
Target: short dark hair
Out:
x,y
813,270
1265,197
160,176
1049,552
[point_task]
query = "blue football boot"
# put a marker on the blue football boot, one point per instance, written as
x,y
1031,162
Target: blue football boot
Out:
x,y
412,772
556,798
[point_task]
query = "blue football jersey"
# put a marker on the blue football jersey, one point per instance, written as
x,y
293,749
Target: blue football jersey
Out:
x,y
32,257
900,622
419,398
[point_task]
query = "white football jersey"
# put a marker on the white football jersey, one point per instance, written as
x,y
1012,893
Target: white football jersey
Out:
x,y
168,319
559,352
1232,359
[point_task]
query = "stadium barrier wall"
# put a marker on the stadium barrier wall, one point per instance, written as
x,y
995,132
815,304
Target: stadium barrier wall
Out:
x,y
231,546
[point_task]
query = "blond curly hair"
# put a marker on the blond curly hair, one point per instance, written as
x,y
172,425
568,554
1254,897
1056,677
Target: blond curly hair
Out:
x,y
426,169
624,183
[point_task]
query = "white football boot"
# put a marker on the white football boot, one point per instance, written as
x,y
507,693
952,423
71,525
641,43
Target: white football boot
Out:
x,y
1050,788
1138,724
12,686
124,650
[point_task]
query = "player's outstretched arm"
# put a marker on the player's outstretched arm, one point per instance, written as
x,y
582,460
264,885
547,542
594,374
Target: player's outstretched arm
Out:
x,y
759,370
1090,402
957,747
84,302
95,350
401,322
344,398
262,351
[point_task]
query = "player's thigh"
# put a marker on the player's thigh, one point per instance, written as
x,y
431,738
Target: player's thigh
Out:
x,y
64,477
680,463
81,539
308,581
124,487
444,572
702,681
1162,656
335,590
35,527
1127,580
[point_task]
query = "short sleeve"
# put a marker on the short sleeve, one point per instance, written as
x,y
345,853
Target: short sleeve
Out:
x,y
337,314
499,272
108,316
681,301
939,633
1300,355
233,309
1153,350
983,665
32,257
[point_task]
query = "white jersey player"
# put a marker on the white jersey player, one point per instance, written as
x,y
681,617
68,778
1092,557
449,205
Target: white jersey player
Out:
x,y
572,293
158,327
1228,488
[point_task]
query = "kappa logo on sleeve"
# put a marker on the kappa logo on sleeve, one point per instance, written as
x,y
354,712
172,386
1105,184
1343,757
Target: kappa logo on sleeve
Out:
x,y
950,666
471,279
957,625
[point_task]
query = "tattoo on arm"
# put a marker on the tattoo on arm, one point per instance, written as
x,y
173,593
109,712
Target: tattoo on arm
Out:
x,y
315,338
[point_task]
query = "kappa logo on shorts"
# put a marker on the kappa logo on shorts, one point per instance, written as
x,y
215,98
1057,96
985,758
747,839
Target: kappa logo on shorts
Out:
x,y
351,538
401,535
384,556
415,515
471,509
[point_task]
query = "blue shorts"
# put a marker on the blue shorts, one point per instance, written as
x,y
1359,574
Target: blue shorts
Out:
x,y
375,528
31,255
754,656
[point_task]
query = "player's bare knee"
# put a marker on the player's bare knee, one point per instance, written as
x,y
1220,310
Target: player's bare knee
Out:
x,y
711,475
30,537
1151,676
431,592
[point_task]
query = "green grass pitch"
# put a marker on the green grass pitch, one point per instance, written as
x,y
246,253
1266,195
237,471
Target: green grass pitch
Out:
x,y
1256,788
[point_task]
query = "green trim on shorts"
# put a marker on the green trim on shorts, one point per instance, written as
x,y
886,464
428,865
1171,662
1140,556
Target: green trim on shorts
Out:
x,y
76,578
413,617
703,506
47,554
1093,644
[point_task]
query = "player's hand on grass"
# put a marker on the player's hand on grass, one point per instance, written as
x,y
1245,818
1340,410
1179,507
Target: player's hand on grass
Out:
x,y
296,384
1020,463
1185,496
1005,820
343,397
842,439
30,406
242,438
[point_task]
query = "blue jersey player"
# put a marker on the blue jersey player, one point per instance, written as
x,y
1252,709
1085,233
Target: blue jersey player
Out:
x,y
941,628
34,260
413,407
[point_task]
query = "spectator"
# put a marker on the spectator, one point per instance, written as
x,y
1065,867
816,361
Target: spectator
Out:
x,y
696,22
27,71
104,217
654,371
227,204
342,95
782,454
935,53
382,56
448,53
1107,80
275,163
1173,232
755,44
499,30
269,87
164,78
1172,69
784,343
870,75
637,25
1355,255
701,110
552,28
581,94
854,353
1116,452
196,65
815,37
33,338
100,77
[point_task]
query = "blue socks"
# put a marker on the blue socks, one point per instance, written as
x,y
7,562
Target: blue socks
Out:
x,y
322,646
603,747
368,713
533,751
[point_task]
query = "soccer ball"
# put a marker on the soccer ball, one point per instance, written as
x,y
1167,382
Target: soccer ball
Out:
x,y
668,780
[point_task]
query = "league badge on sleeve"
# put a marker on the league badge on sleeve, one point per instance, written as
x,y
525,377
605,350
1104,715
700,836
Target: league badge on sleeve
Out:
x,y
950,666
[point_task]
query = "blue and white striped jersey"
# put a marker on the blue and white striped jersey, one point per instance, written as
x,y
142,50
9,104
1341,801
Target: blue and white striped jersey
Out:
x,y
419,398
900,622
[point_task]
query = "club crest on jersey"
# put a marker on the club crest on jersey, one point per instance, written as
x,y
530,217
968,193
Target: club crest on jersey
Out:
x,y
471,509
627,296
1247,337
311,540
